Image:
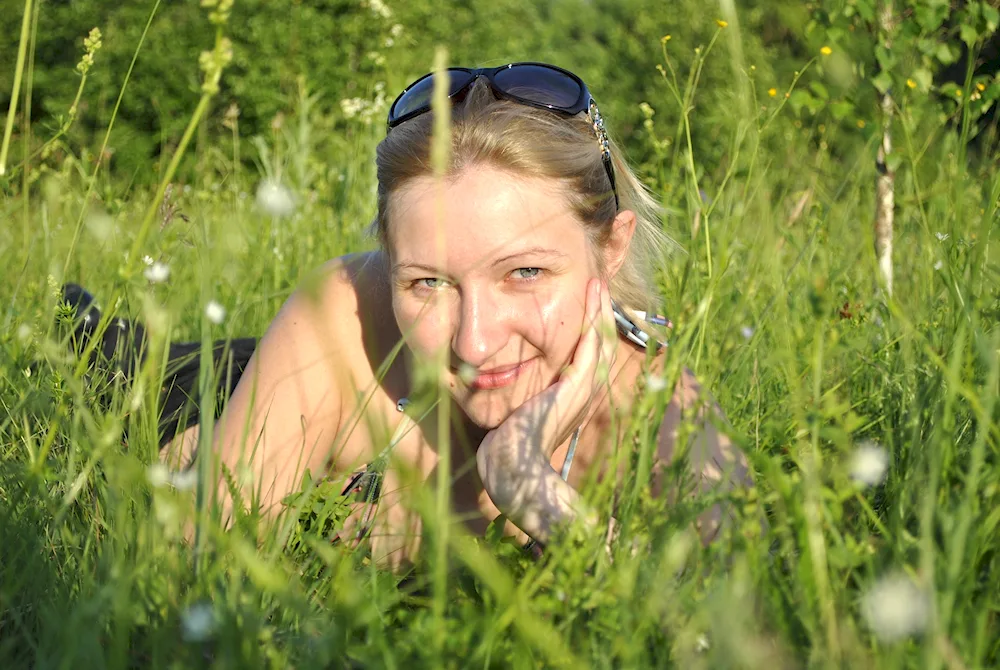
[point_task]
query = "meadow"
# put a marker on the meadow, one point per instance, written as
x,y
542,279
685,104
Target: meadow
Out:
x,y
870,419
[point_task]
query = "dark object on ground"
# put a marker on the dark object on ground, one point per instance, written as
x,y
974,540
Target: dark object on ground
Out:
x,y
122,350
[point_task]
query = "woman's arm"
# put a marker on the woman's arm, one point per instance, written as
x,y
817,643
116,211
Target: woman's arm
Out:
x,y
284,415
714,461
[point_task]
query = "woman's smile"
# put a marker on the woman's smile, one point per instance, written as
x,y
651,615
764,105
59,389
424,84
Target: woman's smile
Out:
x,y
498,377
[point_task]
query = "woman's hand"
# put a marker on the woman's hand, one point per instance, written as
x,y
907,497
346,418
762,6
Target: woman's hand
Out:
x,y
513,459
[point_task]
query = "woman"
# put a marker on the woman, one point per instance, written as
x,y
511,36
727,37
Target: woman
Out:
x,y
499,280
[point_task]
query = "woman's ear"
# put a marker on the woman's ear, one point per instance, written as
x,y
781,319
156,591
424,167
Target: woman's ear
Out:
x,y
616,250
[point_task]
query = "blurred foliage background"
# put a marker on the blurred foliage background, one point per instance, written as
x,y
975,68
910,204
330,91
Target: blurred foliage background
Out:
x,y
340,50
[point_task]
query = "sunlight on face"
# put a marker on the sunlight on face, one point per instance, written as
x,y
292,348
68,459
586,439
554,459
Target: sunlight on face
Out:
x,y
489,273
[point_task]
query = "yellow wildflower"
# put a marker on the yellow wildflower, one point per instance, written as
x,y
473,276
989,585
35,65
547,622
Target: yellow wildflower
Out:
x,y
958,93
826,51
664,39
861,123
981,86
911,84
772,92
721,23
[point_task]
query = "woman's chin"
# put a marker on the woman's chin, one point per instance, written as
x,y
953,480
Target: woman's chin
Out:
x,y
489,412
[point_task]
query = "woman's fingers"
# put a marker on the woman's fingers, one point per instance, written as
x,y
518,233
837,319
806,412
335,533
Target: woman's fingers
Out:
x,y
609,342
588,350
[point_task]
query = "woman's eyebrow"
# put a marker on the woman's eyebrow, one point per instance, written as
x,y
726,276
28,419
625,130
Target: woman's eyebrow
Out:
x,y
413,266
533,251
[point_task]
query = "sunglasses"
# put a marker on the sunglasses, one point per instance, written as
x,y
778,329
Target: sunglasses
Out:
x,y
534,84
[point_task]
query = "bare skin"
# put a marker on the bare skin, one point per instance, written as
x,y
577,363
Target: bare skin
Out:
x,y
509,315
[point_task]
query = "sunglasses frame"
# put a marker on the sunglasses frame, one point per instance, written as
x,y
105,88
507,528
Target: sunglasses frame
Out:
x,y
584,103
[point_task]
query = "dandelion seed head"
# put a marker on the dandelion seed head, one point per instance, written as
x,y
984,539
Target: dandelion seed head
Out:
x,y
869,464
157,475
655,383
275,199
466,373
895,608
157,273
185,480
198,622
215,312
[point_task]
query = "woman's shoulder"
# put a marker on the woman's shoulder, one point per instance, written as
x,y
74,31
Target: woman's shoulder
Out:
x,y
348,289
352,299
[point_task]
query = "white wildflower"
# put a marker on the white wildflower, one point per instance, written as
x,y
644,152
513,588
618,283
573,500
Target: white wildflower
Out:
x,y
396,30
938,265
896,608
701,644
379,8
655,383
275,199
466,373
351,107
215,312
26,372
157,272
185,480
148,260
942,236
24,332
746,332
158,475
198,622
869,464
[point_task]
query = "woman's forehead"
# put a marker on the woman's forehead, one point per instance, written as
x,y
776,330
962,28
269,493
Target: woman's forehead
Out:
x,y
480,216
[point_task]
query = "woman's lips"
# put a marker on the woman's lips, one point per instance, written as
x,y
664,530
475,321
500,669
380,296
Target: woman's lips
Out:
x,y
499,377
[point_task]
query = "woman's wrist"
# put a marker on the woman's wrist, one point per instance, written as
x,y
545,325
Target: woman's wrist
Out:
x,y
524,487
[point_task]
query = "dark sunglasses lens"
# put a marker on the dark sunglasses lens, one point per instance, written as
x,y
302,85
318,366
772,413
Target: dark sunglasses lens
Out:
x,y
419,95
539,84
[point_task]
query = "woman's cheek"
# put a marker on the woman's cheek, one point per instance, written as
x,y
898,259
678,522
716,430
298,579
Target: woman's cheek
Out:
x,y
559,326
424,324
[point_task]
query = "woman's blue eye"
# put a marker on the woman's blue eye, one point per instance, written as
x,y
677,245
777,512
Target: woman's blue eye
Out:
x,y
527,273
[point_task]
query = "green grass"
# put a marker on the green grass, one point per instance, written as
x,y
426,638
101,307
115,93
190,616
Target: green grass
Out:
x,y
93,572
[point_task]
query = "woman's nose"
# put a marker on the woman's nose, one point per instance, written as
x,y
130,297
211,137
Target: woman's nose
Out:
x,y
480,331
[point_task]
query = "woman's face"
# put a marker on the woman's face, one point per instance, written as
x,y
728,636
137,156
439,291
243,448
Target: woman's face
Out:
x,y
489,273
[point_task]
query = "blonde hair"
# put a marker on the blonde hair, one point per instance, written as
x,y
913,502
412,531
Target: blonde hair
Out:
x,y
537,143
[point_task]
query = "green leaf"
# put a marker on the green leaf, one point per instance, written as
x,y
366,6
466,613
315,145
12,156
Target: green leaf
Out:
x,y
946,54
802,99
894,160
968,33
992,17
883,81
866,10
820,90
923,77
885,58
841,109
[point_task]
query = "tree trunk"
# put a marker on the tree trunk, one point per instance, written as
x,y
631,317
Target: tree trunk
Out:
x,y
885,181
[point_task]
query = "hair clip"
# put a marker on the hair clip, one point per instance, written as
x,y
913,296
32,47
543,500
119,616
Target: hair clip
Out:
x,y
594,115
